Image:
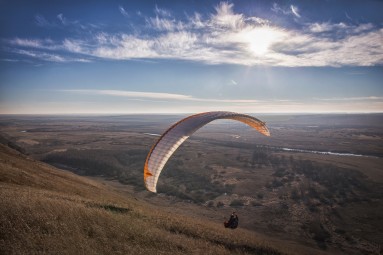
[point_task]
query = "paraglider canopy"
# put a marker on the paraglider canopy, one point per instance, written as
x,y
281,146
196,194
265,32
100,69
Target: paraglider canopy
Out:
x,y
169,141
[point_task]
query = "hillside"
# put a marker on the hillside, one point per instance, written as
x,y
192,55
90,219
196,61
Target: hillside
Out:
x,y
45,210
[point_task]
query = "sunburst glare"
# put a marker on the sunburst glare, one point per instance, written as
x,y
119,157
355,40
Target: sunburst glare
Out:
x,y
261,38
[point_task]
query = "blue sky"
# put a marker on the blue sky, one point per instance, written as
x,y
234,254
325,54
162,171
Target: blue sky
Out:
x,y
191,56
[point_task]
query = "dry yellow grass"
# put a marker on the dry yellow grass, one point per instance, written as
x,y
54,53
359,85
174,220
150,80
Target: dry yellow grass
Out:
x,y
44,210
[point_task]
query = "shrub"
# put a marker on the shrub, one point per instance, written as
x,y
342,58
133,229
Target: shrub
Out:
x,y
256,203
236,202
320,234
220,204
295,194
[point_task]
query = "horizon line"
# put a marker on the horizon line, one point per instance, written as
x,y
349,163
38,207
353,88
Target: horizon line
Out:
x,y
180,113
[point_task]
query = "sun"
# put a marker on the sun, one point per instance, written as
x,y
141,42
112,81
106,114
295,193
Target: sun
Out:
x,y
261,38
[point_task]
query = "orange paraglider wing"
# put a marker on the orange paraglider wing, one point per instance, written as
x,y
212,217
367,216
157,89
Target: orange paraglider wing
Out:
x,y
168,143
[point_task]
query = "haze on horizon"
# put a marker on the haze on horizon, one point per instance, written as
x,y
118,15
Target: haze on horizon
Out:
x,y
183,57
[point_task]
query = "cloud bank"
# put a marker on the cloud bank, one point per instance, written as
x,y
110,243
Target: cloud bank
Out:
x,y
221,37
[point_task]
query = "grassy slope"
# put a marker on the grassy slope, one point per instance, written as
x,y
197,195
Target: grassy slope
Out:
x,y
49,211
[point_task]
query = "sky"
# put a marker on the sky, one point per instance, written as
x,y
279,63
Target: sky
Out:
x,y
254,56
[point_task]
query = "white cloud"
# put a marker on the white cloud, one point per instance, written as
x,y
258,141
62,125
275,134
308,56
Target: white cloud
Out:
x,y
28,43
166,102
196,21
226,18
226,37
124,47
62,22
363,27
336,27
158,96
292,10
72,46
49,57
41,21
122,11
133,94
369,98
276,8
162,12
62,19
10,60
164,24
295,11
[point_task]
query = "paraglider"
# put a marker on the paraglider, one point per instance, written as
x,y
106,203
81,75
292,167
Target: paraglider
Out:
x,y
169,141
